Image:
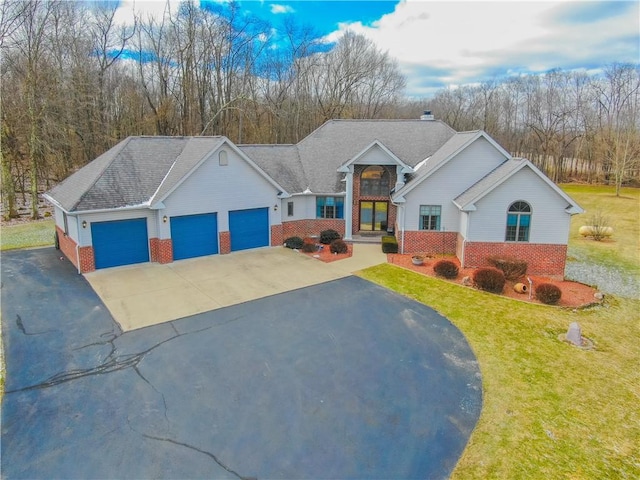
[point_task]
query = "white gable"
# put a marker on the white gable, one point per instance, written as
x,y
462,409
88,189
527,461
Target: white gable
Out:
x,y
452,178
550,220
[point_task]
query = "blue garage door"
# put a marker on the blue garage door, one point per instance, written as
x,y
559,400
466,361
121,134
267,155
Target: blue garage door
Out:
x,y
194,235
121,242
249,228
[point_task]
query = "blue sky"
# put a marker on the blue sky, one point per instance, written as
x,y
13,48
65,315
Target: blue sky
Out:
x,y
451,43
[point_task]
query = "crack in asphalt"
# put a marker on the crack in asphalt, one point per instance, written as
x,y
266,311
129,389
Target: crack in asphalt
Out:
x,y
21,327
204,452
114,364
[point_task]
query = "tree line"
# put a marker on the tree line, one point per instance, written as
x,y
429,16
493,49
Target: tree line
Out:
x,y
75,82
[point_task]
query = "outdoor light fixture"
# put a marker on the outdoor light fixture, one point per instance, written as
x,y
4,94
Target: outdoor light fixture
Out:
x,y
84,224
275,207
164,219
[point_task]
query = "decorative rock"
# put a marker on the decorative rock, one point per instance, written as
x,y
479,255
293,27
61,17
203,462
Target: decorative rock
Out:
x,y
520,288
574,334
598,296
466,281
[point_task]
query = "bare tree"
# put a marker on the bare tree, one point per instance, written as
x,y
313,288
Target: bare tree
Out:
x,y
618,139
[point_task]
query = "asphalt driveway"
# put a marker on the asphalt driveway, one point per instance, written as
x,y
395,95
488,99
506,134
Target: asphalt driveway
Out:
x,y
339,380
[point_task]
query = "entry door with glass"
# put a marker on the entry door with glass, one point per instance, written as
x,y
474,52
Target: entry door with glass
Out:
x,y
373,215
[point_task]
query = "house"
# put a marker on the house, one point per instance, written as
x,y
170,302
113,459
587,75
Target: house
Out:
x,y
162,199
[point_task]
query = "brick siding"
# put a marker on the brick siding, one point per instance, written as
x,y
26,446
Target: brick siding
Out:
x,y
429,242
542,259
225,242
311,227
276,236
87,259
67,246
161,250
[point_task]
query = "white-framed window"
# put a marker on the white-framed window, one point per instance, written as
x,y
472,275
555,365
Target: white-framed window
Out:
x,y
329,207
518,222
430,217
290,209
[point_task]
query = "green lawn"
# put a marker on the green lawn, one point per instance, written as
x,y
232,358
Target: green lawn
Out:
x,y
32,234
622,251
550,410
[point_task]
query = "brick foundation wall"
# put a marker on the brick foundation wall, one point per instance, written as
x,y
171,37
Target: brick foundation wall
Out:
x,y
225,242
67,246
307,228
276,236
429,242
87,259
161,250
542,259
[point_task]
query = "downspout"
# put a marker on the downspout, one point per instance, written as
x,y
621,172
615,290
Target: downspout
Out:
x,y
78,246
401,209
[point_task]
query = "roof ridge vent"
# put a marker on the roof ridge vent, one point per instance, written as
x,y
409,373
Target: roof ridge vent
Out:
x,y
427,115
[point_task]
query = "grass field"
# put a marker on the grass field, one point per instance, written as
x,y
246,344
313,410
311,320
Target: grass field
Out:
x,y
25,235
622,251
550,410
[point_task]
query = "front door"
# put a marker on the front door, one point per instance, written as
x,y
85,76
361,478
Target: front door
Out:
x,y
373,215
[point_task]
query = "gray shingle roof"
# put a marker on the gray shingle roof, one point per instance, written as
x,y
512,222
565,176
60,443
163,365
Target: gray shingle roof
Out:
x,y
130,173
337,141
280,162
141,170
488,182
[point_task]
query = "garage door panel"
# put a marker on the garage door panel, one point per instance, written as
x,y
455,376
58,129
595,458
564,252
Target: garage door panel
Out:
x,y
120,242
249,228
194,235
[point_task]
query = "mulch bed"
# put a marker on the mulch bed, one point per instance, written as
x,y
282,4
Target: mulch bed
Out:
x,y
574,294
325,255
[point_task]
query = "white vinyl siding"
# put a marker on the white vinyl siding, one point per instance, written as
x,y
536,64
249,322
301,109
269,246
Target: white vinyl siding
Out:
x,y
375,156
460,173
214,188
549,221
304,207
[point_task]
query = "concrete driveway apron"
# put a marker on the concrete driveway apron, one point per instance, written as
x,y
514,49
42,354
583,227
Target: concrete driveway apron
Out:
x,y
339,380
147,294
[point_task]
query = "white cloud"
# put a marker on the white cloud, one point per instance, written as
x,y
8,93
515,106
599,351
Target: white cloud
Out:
x,y
276,8
470,40
144,9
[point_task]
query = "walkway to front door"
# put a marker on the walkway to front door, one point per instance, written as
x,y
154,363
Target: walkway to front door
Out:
x,y
373,215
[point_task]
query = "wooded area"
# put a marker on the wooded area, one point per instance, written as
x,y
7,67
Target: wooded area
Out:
x,y
74,83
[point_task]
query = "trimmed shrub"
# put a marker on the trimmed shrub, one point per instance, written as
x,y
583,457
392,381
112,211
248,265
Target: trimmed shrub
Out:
x,y
548,293
328,236
489,279
512,268
389,244
293,242
446,269
309,245
339,246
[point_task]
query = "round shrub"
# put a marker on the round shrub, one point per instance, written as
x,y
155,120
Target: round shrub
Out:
x,y
548,293
309,247
446,269
489,279
328,236
293,242
512,267
338,246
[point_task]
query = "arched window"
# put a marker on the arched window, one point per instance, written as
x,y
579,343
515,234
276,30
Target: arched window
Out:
x,y
374,181
518,222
